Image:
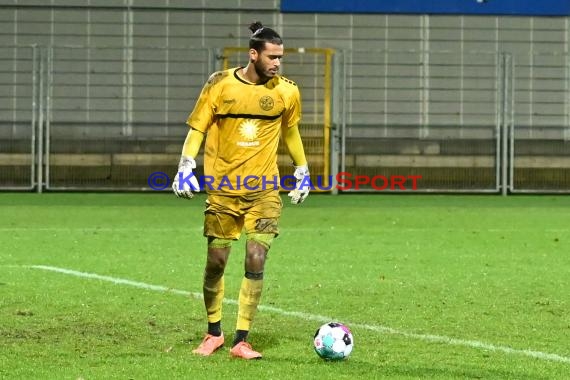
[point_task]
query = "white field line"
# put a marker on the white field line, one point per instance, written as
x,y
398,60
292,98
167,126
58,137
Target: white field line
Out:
x,y
323,319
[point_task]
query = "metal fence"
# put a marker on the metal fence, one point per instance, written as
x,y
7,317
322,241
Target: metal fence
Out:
x,y
97,118
433,116
540,137
21,102
116,115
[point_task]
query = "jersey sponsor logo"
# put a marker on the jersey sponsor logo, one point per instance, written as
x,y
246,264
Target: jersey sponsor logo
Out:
x,y
266,103
248,143
229,101
248,129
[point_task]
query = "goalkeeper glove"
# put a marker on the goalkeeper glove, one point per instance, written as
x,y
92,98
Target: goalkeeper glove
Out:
x,y
185,181
302,186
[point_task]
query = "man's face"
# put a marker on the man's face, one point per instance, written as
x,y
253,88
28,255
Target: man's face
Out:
x,y
268,61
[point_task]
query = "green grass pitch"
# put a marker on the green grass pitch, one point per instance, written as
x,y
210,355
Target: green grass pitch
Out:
x,y
106,286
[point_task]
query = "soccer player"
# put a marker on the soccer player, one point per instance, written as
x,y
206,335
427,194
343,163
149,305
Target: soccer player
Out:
x,y
242,112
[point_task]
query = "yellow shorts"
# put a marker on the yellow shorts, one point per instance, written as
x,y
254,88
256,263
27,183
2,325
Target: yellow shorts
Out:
x,y
226,216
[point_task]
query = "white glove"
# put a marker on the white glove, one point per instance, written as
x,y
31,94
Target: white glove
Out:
x,y
303,185
185,182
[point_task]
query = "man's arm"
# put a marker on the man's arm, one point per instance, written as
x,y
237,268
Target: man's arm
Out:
x,y
185,181
192,143
294,145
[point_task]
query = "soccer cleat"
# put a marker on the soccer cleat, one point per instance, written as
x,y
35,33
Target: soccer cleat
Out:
x,y
209,345
243,350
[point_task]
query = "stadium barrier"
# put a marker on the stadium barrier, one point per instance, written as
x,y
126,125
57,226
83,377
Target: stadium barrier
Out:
x,y
21,103
98,118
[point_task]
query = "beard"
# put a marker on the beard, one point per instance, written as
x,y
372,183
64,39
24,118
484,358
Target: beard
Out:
x,y
262,72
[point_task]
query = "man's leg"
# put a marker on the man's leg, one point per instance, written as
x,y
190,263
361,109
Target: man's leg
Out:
x,y
257,247
222,225
213,289
261,224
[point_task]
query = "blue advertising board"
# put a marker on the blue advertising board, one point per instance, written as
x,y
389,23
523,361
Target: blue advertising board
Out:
x,y
465,7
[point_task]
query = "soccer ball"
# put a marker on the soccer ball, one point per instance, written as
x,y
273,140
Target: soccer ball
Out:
x,y
333,341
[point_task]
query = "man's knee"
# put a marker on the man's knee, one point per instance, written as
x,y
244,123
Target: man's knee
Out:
x,y
265,240
218,251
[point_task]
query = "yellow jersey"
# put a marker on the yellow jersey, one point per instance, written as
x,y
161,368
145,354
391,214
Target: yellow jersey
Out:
x,y
243,122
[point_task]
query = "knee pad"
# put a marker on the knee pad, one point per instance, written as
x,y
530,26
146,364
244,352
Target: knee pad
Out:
x,y
263,239
214,242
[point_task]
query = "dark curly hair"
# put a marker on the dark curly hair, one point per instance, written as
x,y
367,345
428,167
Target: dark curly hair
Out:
x,y
261,35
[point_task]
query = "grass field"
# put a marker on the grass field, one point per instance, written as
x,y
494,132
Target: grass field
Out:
x,y
107,286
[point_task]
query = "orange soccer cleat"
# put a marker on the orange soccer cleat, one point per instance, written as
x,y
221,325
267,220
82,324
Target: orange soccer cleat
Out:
x,y
243,350
209,345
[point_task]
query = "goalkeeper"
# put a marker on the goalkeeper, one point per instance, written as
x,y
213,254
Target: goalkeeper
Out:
x,y
242,113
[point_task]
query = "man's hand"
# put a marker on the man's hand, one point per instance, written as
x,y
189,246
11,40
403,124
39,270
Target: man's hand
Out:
x,y
185,182
303,185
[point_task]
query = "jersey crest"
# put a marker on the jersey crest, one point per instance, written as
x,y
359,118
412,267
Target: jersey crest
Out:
x,y
266,103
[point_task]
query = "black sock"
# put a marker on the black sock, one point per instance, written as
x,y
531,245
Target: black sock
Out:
x,y
241,336
215,328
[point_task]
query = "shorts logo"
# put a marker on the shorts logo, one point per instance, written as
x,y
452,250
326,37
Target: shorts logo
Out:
x,y
266,103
